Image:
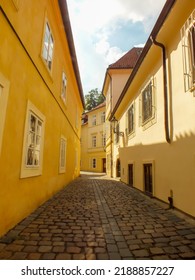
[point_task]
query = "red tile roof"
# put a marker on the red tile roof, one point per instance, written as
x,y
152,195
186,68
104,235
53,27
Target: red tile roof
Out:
x,y
128,60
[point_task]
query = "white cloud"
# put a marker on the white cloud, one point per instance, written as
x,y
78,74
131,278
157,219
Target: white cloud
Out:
x,y
110,54
94,21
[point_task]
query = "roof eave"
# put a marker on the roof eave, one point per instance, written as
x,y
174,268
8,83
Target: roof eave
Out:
x,y
161,19
68,31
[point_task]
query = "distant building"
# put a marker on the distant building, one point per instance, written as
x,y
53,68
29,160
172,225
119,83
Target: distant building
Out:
x,y
116,77
93,140
156,112
41,103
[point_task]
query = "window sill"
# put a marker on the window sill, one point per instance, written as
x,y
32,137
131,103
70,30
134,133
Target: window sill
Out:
x,y
30,172
148,123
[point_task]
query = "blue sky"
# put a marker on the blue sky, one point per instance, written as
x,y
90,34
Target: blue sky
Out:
x,y
104,30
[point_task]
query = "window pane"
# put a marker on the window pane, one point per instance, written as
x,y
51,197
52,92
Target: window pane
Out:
x,y
29,160
34,141
32,123
147,102
37,158
48,45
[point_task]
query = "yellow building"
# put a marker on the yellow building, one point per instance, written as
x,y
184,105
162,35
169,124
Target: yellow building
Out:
x,y
93,140
115,79
39,126
156,111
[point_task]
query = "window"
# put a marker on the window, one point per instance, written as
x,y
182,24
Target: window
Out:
x,y
64,87
62,165
147,103
94,120
103,117
131,175
188,47
93,162
48,45
4,92
94,141
130,119
33,142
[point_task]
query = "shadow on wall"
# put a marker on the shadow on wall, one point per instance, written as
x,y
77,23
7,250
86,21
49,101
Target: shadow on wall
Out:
x,y
173,169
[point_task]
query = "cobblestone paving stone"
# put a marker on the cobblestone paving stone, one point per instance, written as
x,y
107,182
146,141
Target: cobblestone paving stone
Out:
x,y
100,219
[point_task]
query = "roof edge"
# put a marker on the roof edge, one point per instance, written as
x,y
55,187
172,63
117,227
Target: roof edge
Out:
x,y
67,26
161,19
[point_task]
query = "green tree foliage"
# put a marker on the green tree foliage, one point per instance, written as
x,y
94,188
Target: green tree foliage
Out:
x,y
93,99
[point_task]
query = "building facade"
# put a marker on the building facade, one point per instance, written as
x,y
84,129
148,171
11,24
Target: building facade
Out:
x,y
93,140
156,111
116,77
39,126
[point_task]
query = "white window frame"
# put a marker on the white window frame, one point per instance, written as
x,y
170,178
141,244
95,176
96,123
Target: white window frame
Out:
x,y
103,117
47,52
62,159
146,123
94,141
30,170
64,88
103,139
188,53
132,130
4,93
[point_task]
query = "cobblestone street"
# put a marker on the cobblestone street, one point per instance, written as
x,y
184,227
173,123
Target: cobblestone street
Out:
x,y
96,218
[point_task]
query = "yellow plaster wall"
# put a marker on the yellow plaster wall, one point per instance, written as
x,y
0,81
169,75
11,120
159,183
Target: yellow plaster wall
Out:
x,y
173,164
20,196
87,151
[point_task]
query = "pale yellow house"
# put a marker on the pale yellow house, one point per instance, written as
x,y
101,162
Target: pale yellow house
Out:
x,y
39,126
93,140
115,79
156,111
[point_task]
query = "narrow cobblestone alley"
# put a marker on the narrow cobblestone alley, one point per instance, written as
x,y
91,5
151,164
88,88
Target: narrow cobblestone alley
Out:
x,y
96,218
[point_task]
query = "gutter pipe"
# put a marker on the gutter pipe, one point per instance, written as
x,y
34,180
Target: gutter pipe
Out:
x,y
166,109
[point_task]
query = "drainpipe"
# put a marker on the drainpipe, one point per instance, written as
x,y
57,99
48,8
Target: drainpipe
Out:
x,y
166,109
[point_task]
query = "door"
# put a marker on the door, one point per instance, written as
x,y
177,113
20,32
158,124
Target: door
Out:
x,y
104,165
118,168
130,172
148,182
